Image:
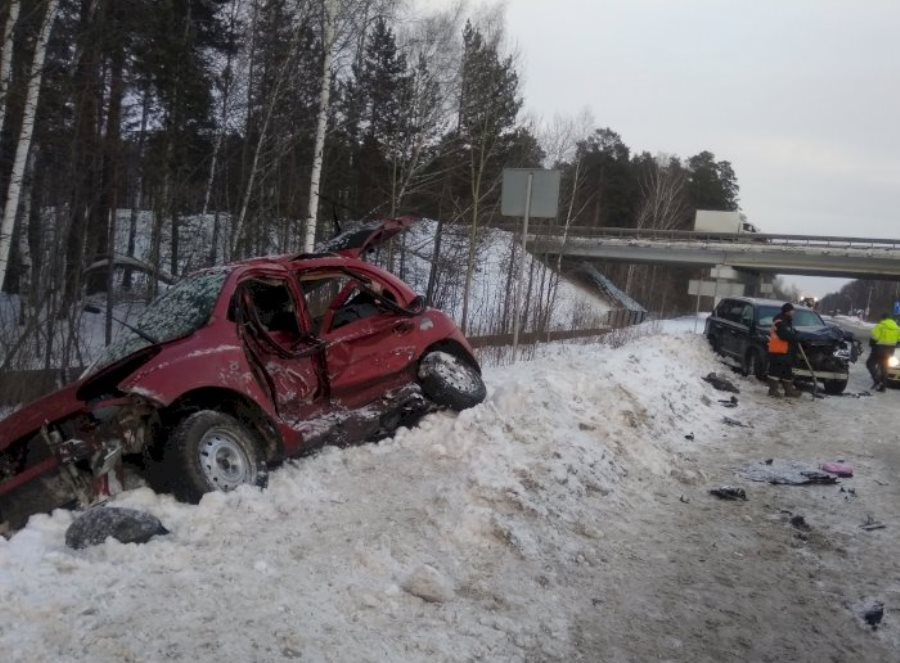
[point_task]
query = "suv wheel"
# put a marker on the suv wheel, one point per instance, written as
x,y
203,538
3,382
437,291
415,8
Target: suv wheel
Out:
x,y
835,387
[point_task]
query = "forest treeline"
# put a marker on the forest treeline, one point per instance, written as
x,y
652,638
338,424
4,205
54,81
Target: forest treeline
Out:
x,y
125,121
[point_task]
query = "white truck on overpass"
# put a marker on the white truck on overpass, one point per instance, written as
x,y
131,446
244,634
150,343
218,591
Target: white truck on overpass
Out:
x,y
709,221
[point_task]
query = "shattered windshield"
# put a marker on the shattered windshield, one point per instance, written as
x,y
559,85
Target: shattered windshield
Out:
x,y
183,308
802,317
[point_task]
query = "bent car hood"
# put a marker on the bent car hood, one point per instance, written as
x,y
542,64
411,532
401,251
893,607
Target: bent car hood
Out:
x,y
30,418
820,335
70,399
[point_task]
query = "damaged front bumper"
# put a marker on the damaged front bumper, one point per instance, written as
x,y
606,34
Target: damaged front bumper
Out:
x,y
75,462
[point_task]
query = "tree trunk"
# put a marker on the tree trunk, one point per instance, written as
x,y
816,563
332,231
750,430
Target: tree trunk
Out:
x,y
24,145
309,239
6,56
137,197
111,177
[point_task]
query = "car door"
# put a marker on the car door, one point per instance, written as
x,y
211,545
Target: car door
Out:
x,y
285,358
718,326
731,332
367,344
744,330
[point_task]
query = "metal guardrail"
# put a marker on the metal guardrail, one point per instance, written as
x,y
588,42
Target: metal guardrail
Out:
x,y
585,232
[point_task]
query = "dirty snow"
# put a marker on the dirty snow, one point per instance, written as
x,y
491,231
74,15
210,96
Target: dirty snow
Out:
x,y
566,518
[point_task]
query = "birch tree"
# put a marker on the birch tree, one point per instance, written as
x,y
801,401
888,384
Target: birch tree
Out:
x,y
6,55
23,146
315,177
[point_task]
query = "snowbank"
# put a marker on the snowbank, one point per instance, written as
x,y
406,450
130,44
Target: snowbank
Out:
x,y
492,514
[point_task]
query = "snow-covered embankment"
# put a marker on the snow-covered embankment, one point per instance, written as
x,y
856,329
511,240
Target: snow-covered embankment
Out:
x,y
493,515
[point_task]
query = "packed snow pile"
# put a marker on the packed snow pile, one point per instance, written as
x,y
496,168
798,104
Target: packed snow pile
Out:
x,y
470,537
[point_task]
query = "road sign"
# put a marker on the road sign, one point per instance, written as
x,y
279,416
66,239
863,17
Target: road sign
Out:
x,y
721,272
544,192
713,289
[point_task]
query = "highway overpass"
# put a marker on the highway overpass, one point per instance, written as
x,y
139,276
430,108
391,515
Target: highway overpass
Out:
x,y
847,257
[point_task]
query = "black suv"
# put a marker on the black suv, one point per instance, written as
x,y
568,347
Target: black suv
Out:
x,y
739,331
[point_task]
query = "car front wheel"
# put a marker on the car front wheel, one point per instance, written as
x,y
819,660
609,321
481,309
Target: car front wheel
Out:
x,y
835,387
451,382
208,451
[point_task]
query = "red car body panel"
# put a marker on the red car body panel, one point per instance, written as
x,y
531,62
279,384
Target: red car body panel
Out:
x,y
336,370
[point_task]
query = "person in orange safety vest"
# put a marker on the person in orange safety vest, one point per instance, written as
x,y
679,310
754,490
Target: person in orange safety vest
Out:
x,y
782,351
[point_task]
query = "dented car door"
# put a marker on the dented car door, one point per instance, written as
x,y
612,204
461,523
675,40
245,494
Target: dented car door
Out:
x,y
286,358
366,345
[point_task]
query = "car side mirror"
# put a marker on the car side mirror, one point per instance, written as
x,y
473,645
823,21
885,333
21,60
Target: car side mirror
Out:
x,y
417,305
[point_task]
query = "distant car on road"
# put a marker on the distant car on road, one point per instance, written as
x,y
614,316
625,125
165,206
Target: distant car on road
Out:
x,y
236,368
739,328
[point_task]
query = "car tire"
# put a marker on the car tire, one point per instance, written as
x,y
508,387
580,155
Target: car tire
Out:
x,y
835,387
754,365
451,382
714,343
208,451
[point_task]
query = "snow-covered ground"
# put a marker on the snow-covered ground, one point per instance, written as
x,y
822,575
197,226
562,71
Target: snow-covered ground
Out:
x,y
566,518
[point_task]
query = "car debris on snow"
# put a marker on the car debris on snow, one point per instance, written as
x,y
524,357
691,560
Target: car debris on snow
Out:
x,y
799,522
871,524
788,473
95,525
728,421
721,383
870,611
729,493
838,468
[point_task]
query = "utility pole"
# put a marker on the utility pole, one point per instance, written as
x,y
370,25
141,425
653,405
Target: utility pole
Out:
x,y
521,279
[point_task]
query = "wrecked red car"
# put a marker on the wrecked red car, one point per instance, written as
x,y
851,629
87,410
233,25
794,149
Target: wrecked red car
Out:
x,y
236,368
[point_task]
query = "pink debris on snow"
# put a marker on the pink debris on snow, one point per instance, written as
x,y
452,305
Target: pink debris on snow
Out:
x,y
839,469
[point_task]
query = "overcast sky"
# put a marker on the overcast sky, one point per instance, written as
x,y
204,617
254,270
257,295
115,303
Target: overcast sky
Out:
x,y
802,96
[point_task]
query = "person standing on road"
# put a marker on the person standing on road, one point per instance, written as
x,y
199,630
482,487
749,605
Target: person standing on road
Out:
x,y
885,336
782,352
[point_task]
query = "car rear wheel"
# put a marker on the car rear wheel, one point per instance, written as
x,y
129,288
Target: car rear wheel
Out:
x,y
451,382
835,387
208,451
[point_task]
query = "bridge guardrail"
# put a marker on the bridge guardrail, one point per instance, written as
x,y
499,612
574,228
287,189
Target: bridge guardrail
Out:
x,y
586,232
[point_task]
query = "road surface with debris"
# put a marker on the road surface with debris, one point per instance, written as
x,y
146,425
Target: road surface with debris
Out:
x,y
566,518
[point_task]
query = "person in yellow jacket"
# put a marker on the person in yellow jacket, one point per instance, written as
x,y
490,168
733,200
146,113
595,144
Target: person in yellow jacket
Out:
x,y
885,337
